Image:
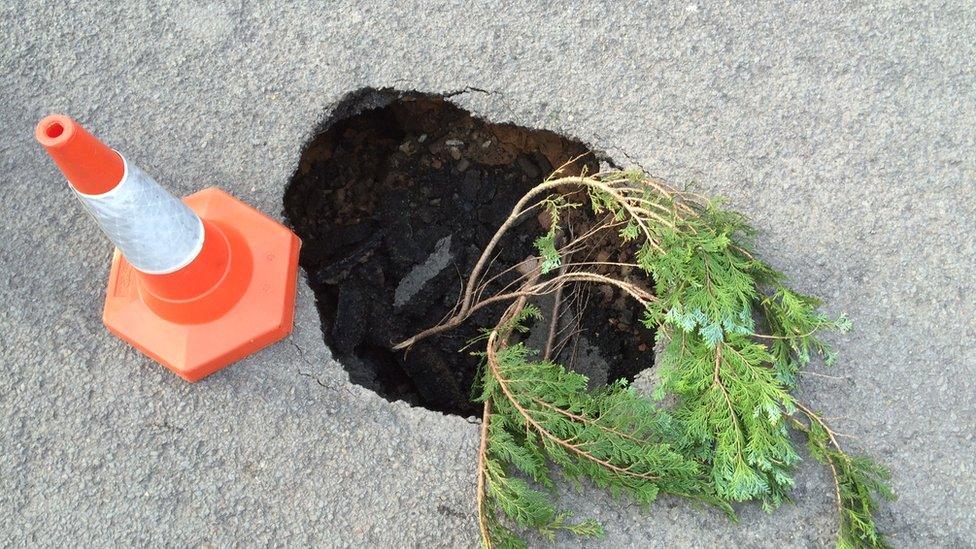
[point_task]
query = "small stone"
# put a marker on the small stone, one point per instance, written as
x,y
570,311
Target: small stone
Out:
x,y
527,266
352,234
454,143
350,322
626,315
545,220
486,144
434,378
411,284
455,154
422,138
486,192
462,165
542,163
469,186
528,167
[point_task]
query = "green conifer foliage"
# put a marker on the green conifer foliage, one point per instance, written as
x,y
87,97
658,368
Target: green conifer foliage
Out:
x,y
736,339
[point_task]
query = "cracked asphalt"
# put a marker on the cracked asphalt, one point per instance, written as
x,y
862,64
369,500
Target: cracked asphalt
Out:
x,y
845,131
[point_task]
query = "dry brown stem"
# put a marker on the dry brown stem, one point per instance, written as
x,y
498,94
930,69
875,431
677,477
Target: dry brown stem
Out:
x,y
626,196
482,457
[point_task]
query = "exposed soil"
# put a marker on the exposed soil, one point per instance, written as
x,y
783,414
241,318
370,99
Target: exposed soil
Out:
x,y
394,205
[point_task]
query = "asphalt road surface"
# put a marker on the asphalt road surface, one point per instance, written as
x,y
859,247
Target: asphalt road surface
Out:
x,y
846,132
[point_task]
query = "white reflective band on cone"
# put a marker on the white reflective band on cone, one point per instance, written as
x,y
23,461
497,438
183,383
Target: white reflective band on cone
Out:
x,y
155,231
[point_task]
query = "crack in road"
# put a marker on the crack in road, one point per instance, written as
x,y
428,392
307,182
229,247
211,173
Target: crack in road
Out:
x,y
469,89
452,93
303,358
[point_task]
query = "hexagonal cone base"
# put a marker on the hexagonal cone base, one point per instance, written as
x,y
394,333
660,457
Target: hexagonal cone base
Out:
x,y
263,315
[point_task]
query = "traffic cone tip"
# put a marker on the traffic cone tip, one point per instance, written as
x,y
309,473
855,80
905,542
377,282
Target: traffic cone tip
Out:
x,y
90,166
54,130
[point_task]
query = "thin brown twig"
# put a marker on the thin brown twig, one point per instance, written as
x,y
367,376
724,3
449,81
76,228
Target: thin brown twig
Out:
x,y
830,462
554,315
483,444
717,381
641,296
520,209
589,421
482,458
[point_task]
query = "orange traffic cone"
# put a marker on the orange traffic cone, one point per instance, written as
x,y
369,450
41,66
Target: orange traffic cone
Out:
x,y
195,285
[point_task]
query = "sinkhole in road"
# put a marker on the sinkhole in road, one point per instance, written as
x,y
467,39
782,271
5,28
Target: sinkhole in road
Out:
x,y
394,199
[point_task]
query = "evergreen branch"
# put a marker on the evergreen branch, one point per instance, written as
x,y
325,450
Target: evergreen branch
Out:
x,y
737,337
856,481
513,496
545,433
586,420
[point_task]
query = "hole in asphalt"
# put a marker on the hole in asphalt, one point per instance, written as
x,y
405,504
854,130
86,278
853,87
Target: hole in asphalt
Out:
x,y
394,199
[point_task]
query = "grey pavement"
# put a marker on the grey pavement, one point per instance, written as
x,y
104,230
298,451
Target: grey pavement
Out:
x,y
847,131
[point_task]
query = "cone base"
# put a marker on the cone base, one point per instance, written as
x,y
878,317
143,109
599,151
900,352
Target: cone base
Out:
x,y
262,316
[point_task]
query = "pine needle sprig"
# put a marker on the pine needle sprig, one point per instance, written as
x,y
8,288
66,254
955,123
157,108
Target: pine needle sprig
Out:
x,y
793,324
858,481
731,409
542,415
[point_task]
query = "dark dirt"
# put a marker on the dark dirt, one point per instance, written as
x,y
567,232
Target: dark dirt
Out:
x,y
394,205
